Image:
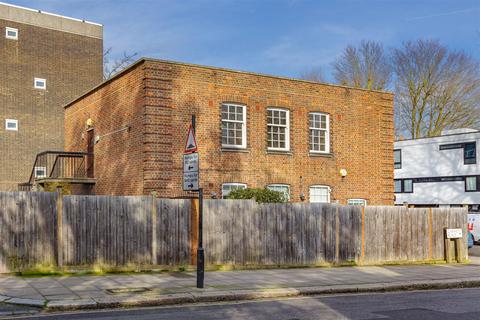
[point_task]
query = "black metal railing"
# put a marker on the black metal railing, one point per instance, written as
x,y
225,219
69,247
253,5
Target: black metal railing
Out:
x,y
60,165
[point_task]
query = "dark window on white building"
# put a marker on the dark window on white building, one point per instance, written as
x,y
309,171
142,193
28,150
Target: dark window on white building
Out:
x,y
397,158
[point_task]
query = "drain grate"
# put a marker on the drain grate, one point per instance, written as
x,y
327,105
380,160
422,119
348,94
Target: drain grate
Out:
x,y
127,290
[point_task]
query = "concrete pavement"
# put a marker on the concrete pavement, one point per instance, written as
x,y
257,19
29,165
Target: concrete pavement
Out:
x,y
78,292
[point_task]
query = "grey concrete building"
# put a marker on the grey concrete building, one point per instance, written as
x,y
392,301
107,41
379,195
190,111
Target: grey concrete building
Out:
x,y
46,60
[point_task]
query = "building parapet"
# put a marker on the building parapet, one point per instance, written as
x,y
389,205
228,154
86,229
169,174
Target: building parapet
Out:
x,y
50,21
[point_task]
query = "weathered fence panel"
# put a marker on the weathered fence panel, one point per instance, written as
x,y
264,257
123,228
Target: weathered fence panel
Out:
x,y
173,231
118,230
106,230
27,230
142,230
451,218
246,233
394,234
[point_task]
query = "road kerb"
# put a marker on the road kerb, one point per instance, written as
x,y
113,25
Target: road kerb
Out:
x,y
242,295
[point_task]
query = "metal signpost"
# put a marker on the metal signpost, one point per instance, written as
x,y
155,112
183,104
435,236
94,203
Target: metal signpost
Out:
x,y
191,179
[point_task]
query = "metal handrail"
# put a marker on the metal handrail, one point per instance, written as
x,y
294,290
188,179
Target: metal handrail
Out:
x,y
59,164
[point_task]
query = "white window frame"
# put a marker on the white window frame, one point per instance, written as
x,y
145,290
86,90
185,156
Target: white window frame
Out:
x,y
44,87
7,121
9,29
281,185
356,202
287,129
40,168
319,186
327,130
232,184
244,126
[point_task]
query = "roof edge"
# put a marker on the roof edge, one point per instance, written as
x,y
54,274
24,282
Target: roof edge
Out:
x,y
440,136
50,14
105,82
144,59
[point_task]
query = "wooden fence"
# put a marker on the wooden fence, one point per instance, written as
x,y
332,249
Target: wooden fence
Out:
x,y
27,230
71,231
243,232
119,231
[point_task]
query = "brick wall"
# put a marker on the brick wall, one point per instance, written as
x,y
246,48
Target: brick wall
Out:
x,y
361,133
71,65
118,159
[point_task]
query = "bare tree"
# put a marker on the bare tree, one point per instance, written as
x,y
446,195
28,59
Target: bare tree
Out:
x,y
436,89
114,67
367,66
313,74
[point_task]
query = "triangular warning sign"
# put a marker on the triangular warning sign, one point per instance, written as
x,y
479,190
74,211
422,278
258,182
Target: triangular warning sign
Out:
x,y
191,145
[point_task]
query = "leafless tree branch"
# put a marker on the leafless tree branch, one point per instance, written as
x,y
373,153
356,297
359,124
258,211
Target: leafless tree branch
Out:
x,y
110,69
435,88
313,74
366,67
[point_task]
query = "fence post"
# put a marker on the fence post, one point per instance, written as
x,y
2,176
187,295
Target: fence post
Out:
x,y
194,210
459,242
337,235
448,249
362,254
430,234
154,227
59,227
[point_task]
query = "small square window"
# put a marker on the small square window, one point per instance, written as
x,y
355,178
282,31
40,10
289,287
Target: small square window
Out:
x,y
40,83
320,194
40,172
11,33
11,124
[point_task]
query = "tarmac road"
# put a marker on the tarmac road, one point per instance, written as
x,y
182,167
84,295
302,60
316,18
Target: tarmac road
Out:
x,y
455,304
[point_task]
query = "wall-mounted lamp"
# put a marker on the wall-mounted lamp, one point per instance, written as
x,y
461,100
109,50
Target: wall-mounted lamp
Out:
x,y
302,197
89,123
343,172
213,194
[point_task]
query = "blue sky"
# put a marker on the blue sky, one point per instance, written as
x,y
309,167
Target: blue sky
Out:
x,y
282,37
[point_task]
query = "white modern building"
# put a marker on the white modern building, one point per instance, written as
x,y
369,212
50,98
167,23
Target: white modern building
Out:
x,y
438,171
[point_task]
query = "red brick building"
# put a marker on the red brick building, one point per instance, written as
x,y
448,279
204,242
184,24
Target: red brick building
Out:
x,y
318,142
